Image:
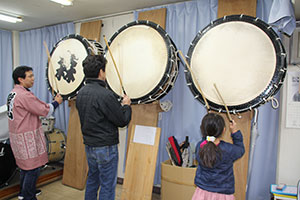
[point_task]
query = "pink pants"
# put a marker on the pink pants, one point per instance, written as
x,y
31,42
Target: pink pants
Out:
x,y
205,195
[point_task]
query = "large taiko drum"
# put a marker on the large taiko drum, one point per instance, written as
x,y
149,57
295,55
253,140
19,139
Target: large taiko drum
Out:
x,y
146,60
65,74
4,132
8,164
243,56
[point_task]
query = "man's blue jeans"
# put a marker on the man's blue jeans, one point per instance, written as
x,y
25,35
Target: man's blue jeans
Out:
x,y
28,180
103,168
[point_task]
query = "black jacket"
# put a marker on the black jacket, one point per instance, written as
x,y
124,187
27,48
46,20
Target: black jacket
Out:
x,y
100,114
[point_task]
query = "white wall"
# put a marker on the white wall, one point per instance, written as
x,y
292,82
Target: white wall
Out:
x,y
288,162
110,26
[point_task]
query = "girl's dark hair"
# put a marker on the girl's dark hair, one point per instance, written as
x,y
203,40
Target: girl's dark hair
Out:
x,y
20,72
212,125
92,65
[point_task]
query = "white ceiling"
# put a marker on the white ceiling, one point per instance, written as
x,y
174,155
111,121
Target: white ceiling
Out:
x,y
40,13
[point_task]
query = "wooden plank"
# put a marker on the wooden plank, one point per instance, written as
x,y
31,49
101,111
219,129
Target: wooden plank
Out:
x,y
157,16
75,163
91,30
236,7
140,169
241,165
143,114
147,114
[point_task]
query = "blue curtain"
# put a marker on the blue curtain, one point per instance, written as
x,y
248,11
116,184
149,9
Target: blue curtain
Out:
x,y
33,54
183,22
280,15
6,60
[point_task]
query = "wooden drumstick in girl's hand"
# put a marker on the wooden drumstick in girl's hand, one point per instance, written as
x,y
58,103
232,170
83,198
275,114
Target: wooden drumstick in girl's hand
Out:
x,y
114,64
228,114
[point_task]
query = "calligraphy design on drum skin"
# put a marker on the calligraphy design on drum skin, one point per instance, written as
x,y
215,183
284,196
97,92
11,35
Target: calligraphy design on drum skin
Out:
x,y
65,73
62,71
10,105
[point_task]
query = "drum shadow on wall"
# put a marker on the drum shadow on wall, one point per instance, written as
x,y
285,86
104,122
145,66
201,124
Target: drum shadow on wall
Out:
x,y
243,56
147,62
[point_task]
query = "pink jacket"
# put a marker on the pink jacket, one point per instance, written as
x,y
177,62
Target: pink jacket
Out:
x,y
26,135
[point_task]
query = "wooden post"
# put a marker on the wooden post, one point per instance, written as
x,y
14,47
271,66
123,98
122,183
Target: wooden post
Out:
x,y
75,163
237,7
240,167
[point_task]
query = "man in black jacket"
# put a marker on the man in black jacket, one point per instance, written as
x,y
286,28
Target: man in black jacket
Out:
x,y
100,115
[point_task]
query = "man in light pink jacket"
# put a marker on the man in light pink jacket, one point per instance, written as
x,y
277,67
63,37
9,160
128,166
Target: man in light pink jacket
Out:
x,y
26,135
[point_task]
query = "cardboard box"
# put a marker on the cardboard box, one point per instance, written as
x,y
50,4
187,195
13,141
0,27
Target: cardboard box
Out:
x,y
177,183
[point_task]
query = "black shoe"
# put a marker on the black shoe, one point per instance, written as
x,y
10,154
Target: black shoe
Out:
x,y
37,193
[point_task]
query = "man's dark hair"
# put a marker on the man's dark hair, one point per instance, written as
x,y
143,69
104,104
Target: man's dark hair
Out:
x,y
20,72
92,65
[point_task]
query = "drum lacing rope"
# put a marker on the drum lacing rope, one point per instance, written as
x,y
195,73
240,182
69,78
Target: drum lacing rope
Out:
x,y
283,54
275,103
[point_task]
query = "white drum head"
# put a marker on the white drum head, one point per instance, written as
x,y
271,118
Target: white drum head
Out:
x,y
238,57
243,56
141,56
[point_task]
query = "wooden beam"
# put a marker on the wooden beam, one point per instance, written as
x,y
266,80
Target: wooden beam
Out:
x,y
236,7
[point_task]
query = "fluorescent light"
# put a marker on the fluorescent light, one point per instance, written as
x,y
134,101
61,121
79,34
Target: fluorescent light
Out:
x,y
11,19
64,2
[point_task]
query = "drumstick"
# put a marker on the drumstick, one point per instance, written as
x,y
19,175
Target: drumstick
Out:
x,y
51,66
114,64
188,66
228,114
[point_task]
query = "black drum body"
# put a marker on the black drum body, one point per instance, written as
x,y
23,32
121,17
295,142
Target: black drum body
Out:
x,y
65,72
243,56
146,59
8,164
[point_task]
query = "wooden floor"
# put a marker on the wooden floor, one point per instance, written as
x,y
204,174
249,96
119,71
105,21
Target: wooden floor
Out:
x,y
57,191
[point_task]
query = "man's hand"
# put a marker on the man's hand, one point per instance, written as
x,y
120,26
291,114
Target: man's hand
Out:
x,y
126,100
58,98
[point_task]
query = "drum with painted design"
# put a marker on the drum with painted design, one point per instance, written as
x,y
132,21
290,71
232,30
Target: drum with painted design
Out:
x,y
65,72
56,143
146,59
243,56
